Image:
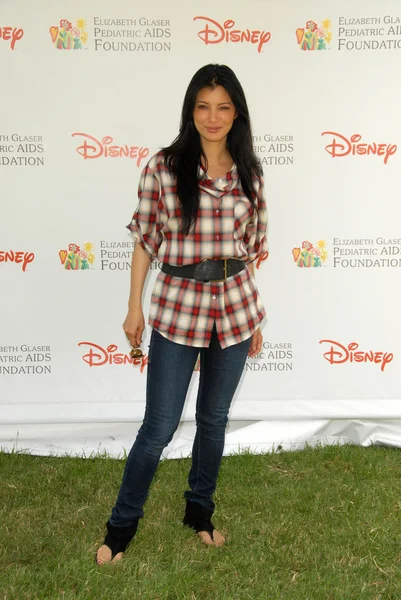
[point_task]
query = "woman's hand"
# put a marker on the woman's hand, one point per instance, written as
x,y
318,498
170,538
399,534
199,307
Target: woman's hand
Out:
x,y
133,326
256,343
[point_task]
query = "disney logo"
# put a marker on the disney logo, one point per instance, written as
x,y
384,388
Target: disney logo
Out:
x,y
103,148
341,354
264,256
8,33
342,146
23,258
214,33
98,356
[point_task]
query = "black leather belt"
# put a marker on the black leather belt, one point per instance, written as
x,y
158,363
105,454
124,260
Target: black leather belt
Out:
x,y
208,270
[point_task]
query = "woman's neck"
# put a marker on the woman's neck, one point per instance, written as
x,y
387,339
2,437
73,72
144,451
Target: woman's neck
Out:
x,y
216,153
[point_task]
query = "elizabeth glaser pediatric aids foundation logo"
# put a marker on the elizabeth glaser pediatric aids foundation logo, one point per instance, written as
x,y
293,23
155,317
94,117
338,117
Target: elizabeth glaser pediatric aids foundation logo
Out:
x,y
274,357
273,149
309,255
67,36
21,150
367,33
140,34
77,259
314,36
25,359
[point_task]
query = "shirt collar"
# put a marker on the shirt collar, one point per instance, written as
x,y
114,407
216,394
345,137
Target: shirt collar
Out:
x,y
218,187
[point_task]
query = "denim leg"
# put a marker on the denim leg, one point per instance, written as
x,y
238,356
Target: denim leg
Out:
x,y
170,369
220,373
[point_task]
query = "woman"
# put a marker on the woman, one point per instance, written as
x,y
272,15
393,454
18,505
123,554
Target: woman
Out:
x,y
202,213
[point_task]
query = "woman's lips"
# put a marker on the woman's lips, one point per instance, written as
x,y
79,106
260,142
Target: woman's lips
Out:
x,y
213,129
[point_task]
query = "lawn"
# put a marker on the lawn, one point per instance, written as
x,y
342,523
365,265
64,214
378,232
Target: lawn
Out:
x,y
321,523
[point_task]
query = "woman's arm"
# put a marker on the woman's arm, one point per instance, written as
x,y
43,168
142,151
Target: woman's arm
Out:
x,y
139,269
134,323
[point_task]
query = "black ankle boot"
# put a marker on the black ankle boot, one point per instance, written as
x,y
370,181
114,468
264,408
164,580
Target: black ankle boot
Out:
x,y
198,518
118,538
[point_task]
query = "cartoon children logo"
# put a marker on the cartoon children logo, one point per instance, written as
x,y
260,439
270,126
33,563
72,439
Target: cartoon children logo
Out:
x,y
75,259
310,255
313,37
67,37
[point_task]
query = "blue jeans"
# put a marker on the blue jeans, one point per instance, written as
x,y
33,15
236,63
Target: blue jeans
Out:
x,y
170,369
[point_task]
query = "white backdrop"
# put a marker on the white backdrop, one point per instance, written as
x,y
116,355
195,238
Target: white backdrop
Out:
x,y
90,92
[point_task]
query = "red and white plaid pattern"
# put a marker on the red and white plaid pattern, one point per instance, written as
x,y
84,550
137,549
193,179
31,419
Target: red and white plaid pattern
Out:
x,y
185,310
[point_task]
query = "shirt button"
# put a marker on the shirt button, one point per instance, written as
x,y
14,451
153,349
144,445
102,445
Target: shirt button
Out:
x,y
217,237
214,297
217,211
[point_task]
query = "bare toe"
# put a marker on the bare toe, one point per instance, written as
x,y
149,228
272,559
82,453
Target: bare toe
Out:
x,y
118,556
103,555
206,538
218,538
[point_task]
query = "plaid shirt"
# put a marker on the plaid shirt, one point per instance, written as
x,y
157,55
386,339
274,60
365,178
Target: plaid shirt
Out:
x,y
185,310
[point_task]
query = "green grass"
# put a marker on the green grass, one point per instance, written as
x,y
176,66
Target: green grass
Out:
x,y
308,525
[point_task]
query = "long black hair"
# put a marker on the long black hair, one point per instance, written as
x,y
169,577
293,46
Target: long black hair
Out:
x,y
185,154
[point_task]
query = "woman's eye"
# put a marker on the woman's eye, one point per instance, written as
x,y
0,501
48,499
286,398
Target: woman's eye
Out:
x,y
202,106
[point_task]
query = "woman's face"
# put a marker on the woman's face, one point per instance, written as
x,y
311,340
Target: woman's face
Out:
x,y
214,114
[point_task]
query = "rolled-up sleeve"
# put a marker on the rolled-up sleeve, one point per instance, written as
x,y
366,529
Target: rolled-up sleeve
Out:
x,y
147,220
257,228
